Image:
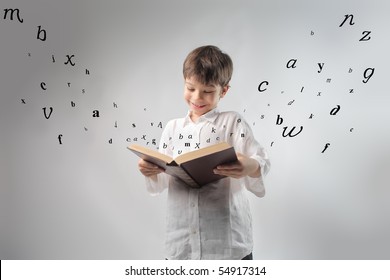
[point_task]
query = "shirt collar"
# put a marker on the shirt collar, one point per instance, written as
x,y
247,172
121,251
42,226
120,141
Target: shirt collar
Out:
x,y
210,116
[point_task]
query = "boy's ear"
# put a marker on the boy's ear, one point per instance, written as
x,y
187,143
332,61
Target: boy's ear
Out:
x,y
224,90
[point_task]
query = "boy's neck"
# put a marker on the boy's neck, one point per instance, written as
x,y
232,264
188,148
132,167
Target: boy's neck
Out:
x,y
195,117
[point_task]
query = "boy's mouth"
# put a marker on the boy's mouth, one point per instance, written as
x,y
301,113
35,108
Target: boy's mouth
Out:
x,y
198,106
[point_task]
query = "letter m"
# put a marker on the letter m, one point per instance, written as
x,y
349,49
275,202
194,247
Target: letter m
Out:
x,y
11,12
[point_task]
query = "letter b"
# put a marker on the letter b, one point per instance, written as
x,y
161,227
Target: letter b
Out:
x,y
279,120
40,32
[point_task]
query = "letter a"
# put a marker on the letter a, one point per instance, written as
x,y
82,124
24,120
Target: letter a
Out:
x,y
291,63
95,114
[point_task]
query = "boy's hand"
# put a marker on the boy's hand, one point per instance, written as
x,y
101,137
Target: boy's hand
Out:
x,y
149,169
245,166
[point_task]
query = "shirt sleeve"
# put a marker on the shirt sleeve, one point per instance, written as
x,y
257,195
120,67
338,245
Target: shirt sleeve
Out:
x,y
155,187
246,144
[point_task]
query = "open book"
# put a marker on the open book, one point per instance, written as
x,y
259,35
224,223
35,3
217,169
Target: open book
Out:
x,y
195,168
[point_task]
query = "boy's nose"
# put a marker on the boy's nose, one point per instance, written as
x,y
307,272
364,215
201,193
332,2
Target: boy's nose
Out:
x,y
197,94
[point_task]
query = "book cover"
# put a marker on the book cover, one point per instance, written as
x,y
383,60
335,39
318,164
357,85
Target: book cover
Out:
x,y
195,168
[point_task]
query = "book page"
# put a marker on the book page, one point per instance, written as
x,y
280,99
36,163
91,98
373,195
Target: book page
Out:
x,y
202,152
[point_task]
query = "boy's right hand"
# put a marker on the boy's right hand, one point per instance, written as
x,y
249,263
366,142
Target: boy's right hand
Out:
x,y
148,169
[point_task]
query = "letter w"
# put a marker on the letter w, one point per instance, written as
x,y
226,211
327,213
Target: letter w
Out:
x,y
291,131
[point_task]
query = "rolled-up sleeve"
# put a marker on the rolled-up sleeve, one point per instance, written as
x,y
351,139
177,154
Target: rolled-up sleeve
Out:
x,y
155,187
246,144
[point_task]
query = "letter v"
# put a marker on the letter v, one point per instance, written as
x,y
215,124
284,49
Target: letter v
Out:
x,y
44,112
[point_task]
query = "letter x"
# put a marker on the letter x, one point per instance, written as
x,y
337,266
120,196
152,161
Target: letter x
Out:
x,y
70,60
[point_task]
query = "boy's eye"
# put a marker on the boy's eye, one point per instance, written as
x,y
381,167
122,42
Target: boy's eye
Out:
x,y
205,91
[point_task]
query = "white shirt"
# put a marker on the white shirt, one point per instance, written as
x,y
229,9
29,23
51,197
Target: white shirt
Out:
x,y
213,222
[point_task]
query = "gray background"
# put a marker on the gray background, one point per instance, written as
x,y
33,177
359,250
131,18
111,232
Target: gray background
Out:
x,y
85,199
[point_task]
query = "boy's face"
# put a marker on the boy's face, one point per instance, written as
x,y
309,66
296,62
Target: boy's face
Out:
x,y
202,98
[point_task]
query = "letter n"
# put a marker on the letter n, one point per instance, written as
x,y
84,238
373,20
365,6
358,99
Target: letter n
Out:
x,y
346,18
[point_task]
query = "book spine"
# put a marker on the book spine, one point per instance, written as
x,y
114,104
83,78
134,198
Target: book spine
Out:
x,y
195,183
180,173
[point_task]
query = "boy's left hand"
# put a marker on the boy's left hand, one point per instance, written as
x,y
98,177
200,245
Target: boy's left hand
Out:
x,y
245,166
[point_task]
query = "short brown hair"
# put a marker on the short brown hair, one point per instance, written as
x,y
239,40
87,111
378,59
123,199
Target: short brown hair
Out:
x,y
209,65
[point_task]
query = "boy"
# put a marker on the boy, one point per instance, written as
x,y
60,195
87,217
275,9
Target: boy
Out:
x,y
213,222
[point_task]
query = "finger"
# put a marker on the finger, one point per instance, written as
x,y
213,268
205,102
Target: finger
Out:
x,y
229,166
149,172
152,169
229,173
145,164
